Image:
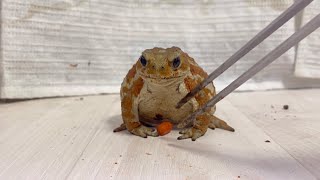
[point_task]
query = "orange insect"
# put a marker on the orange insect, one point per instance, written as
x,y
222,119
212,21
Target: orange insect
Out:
x,y
164,128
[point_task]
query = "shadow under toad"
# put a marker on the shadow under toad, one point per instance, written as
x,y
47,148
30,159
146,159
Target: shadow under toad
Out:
x,y
278,164
249,159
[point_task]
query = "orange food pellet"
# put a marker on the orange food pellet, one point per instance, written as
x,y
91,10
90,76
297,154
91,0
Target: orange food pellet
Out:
x,y
164,128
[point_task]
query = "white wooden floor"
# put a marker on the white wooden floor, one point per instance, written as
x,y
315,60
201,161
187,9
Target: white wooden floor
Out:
x,y
69,138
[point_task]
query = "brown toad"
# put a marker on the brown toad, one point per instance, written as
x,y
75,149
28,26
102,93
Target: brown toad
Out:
x,y
154,86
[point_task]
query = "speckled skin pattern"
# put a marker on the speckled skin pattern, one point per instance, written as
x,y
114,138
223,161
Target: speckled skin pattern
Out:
x,y
153,87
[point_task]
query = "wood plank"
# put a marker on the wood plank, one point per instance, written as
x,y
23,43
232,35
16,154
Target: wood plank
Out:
x,y
219,154
17,116
73,139
297,129
52,144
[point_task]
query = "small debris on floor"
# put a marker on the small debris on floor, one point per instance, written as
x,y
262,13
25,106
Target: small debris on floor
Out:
x,y
82,159
238,176
120,155
267,141
148,154
73,65
272,106
286,107
80,99
115,163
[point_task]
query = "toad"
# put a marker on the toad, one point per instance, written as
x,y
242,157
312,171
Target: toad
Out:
x,y
153,87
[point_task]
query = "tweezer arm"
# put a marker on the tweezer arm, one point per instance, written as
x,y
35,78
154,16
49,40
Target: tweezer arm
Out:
x,y
266,32
265,61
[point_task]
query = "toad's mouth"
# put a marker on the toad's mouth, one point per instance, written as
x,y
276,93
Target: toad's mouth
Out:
x,y
164,78
160,77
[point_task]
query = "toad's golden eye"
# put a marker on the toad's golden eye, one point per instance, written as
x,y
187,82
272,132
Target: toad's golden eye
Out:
x,y
176,62
143,61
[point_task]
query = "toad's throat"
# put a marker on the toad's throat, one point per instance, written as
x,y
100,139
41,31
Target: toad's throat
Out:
x,y
157,102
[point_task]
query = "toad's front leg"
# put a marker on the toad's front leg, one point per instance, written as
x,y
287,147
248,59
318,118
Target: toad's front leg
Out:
x,y
207,119
131,118
129,111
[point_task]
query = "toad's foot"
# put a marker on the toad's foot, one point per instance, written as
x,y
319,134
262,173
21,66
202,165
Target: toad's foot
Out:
x,y
202,124
144,131
192,133
216,122
120,128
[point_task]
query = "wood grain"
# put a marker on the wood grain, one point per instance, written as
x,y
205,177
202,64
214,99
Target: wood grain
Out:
x,y
297,129
69,138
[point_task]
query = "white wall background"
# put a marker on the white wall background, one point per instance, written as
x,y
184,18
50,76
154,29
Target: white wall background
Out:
x,y
74,47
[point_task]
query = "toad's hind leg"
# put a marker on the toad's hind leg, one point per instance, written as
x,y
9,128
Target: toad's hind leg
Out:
x,y
120,128
216,122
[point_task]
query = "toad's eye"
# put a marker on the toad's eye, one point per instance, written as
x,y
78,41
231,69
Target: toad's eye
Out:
x,y
143,61
176,62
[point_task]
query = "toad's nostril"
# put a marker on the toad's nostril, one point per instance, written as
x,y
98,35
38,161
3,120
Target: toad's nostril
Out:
x,y
162,67
153,67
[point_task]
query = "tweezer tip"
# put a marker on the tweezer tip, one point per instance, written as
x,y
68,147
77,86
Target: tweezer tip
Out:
x,y
179,105
183,101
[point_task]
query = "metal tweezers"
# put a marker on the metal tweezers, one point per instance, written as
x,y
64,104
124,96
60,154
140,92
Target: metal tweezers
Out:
x,y
294,39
